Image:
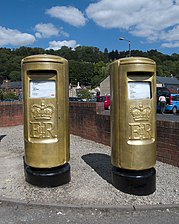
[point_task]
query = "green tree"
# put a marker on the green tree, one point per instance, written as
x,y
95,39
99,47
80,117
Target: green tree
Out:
x,y
106,59
15,76
65,52
99,73
87,65
1,94
80,72
83,94
88,54
9,96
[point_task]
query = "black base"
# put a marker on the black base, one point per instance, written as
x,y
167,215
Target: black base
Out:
x,y
47,177
134,182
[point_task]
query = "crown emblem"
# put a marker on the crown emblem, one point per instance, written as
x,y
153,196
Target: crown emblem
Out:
x,y
43,111
140,113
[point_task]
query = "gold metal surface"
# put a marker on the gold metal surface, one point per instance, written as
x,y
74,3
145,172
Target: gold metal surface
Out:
x,y
46,127
133,120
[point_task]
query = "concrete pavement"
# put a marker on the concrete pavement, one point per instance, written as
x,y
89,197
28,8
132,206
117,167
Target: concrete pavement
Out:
x,y
90,197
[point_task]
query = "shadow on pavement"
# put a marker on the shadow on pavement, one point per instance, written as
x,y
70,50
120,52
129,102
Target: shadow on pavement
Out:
x,y
101,163
1,137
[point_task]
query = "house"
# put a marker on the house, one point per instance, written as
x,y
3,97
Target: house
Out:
x,y
171,83
168,82
15,87
105,86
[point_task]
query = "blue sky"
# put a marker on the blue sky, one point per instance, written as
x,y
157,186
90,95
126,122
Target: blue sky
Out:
x,y
51,24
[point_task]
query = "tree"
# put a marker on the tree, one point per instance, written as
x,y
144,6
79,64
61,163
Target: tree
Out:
x,y
83,94
80,72
9,96
65,52
1,94
106,59
15,76
99,73
86,64
88,54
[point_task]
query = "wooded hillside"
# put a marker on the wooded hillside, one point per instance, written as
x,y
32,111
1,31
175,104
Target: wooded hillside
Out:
x,y
87,65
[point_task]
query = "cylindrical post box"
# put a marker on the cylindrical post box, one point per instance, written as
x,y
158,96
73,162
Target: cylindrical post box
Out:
x,y
133,125
46,125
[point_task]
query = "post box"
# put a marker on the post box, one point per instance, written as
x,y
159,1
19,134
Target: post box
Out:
x,y
133,125
46,127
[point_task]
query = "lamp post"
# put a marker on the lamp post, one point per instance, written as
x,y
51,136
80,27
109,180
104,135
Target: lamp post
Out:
x,y
121,38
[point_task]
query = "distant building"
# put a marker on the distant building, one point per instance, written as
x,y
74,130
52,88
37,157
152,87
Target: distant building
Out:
x,y
13,87
73,89
105,86
169,82
16,88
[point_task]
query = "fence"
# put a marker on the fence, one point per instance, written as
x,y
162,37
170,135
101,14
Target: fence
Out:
x,y
88,121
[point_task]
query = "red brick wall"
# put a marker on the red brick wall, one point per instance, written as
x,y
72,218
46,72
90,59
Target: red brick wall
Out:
x,y
168,142
86,123
87,120
11,114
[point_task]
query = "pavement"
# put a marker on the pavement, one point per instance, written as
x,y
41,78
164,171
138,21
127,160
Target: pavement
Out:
x,y
18,212
90,196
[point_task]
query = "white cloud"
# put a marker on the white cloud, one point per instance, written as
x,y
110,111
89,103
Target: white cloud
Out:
x,y
154,20
171,44
55,45
45,30
170,35
15,37
69,15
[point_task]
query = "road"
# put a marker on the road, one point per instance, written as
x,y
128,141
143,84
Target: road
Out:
x,y
165,117
16,213
168,117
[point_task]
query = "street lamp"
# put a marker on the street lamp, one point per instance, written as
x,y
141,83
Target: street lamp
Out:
x,y
121,38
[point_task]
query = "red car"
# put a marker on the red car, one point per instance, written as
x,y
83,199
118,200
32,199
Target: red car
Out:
x,y
106,100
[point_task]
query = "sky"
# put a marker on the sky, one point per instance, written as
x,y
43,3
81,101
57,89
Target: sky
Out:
x,y
51,24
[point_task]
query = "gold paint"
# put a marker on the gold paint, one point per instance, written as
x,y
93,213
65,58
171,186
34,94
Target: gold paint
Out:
x,y
46,124
133,121
43,111
140,131
42,130
140,113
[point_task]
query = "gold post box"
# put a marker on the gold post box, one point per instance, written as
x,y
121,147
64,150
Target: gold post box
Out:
x,y
46,127
133,124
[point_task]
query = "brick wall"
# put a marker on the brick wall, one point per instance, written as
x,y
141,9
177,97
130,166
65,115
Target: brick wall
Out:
x,y
168,142
10,114
85,122
88,121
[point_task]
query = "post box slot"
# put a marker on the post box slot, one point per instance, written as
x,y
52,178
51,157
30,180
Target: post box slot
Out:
x,y
40,74
139,76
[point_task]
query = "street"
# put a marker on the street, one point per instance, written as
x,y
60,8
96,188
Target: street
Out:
x,y
16,213
168,117
165,116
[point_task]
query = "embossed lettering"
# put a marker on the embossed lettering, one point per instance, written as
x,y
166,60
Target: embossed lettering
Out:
x,y
42,130
140,131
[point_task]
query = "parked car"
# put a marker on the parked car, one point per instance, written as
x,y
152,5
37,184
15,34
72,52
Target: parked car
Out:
x,y
106,100
75,99
173,105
